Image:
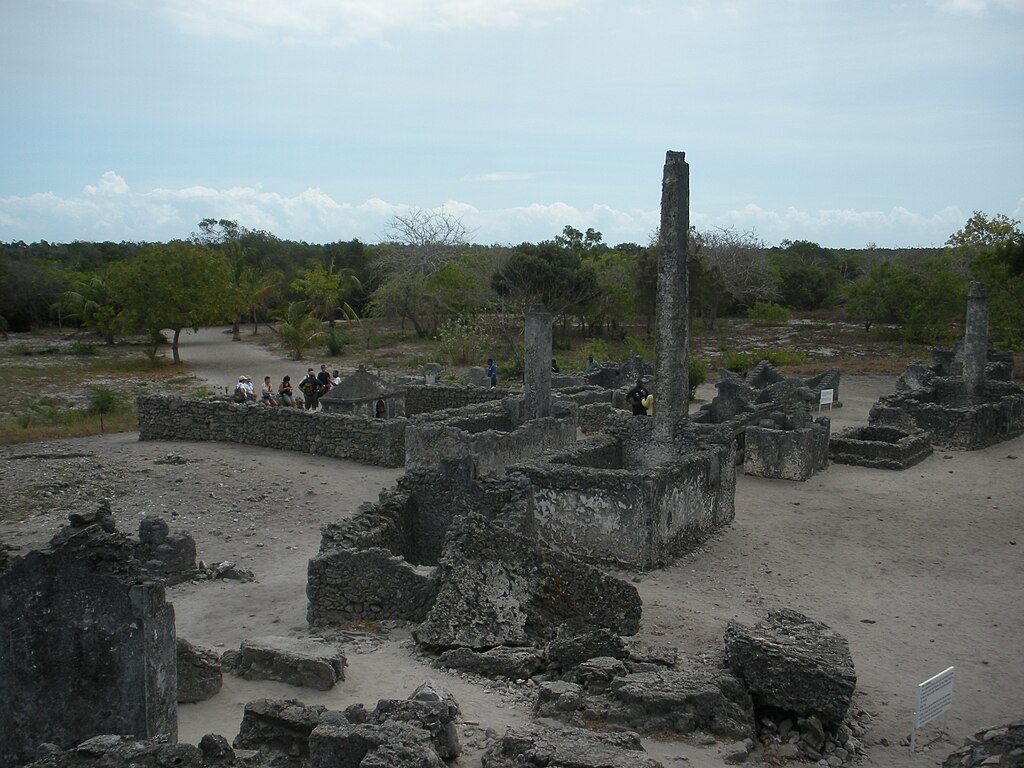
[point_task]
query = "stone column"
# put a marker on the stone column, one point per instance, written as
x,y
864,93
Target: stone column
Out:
x,y
537,374
976,339
671,401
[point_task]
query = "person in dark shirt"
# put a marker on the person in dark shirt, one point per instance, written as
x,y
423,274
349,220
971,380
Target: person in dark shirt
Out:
x,y
636,397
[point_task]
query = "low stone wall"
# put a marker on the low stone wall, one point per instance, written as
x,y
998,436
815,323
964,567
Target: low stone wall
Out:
x,y
479,434
880,447
955,422
367,441
634,518
423,398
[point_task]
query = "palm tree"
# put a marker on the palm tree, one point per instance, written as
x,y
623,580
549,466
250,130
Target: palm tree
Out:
x,y
297,329
325,286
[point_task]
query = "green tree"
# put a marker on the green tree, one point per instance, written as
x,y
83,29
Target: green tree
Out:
x,y
89,302
991,251
729,269
179,285
298,329
325,288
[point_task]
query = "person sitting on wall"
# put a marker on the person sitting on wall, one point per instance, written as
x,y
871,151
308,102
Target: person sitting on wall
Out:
x,y
592,364
244,392
268,392
285,393
336,378
636,396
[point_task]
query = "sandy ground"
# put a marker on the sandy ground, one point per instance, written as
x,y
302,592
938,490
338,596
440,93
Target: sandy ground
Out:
x,y
920,570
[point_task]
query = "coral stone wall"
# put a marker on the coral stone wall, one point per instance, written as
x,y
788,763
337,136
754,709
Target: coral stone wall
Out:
x,y
368,441
423,398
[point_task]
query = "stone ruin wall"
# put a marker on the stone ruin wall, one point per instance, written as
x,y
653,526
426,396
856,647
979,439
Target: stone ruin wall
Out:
x,y
423,398
624,517
367,441
485,433
87,646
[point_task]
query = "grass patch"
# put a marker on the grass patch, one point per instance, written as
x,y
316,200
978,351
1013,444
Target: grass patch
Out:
x,y
30,427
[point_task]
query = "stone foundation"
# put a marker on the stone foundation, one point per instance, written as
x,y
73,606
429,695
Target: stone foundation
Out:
x,y
787,454
880,447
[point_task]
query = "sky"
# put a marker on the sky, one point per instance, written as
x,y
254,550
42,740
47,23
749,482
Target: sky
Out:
x,y
843,122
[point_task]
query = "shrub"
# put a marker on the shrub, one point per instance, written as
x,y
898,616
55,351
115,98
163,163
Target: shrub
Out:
x,y
103,400
336,342
461,339
82,348
768,313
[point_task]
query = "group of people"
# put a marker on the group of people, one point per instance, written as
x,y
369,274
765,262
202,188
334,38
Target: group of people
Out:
x,y
312,387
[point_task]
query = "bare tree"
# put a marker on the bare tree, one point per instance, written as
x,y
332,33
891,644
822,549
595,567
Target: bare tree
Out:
x,y
730,268
422,240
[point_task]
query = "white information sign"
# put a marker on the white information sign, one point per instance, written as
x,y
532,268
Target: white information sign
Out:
x,y
934,697
827,396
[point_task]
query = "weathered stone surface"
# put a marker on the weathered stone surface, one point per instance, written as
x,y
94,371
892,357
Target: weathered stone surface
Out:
x,y
558,698
216,749
793,663
437,717
498,587
278,726
537,746
111,751
166,557
340,744
880,447
358,438
513,663
87,647
787,453
199,673
1002,746
682,701
570,649
290,660
597,674
648,653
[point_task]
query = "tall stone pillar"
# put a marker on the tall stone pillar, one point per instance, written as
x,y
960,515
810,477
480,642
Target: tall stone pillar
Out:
x,y
671,402
976,338
537,374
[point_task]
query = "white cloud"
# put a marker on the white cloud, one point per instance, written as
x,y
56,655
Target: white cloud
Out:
x,y
112,210
347,21
500,176
110,184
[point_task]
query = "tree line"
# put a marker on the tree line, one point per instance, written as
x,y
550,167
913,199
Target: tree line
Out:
x,y
429,276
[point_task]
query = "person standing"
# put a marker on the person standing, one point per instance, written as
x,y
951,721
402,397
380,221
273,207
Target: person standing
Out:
x,y
592,364
492,371
636,397
310,387
324,380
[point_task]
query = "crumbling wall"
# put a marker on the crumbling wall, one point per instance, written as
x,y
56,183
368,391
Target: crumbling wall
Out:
x,y
787,451
640,519
368,441
422,398
953,420
490,433
87,648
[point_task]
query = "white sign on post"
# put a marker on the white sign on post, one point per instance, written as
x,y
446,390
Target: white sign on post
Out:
x,y
934,697
826,398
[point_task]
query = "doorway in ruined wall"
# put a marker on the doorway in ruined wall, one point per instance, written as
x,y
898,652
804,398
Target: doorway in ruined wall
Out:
x,y
381,410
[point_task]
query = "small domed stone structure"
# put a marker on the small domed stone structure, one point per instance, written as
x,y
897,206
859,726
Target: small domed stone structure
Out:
x,y
363,394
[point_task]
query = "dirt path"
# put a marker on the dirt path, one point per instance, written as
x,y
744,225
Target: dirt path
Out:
x,y
920,569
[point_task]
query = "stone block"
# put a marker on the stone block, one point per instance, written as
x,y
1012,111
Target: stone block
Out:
x,y
538,746
199,673
340,744
499,587
511,663
570,649
786,454
794,664
290,660
682,701
558,698
279,727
